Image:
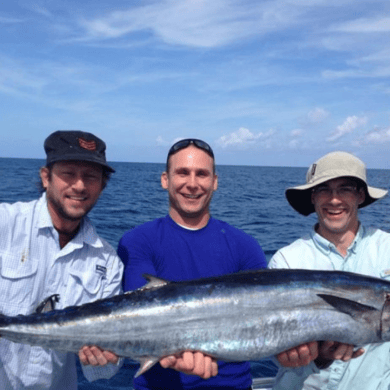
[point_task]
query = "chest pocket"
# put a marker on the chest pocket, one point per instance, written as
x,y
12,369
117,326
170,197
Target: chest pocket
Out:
x,y
18,276
86,282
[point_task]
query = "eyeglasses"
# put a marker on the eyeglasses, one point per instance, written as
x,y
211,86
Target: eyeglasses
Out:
x,y
342,191
190,141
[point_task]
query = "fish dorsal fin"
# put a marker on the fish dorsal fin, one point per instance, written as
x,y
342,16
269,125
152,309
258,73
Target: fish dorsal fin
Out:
x,y
352,308
48,304
146,364
154,281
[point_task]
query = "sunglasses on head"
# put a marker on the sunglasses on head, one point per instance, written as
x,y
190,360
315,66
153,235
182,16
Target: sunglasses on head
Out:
x,y
184,143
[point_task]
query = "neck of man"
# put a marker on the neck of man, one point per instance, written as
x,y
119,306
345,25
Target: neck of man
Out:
x,y
66,237
342,240
190,221
67,230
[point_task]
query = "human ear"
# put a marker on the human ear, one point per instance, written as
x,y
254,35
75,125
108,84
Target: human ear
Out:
x,y
215,183
164,180
45,176
361,195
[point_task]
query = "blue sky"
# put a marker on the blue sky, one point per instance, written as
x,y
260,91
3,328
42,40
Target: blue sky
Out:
x,y
276,83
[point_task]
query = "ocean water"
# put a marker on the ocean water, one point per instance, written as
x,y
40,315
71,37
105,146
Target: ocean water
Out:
x,y
248,197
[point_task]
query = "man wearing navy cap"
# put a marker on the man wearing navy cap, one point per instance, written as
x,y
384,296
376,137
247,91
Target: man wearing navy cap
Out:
x,y
49,246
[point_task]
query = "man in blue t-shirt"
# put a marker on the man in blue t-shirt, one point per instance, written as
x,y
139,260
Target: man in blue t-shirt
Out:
x,y
187,244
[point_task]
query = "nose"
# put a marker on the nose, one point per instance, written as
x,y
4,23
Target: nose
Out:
x,y
79,184
335,195
192,181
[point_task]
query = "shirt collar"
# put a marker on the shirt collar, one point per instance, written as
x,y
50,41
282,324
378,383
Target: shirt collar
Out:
x,y
326,246
87,234
185,227
44,218
321,243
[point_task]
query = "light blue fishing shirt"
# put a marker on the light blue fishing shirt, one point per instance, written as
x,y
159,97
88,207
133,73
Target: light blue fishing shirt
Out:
x,y
369,254
33,267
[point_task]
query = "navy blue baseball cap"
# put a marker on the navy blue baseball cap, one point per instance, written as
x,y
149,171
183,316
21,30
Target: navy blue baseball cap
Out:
x,y
75,145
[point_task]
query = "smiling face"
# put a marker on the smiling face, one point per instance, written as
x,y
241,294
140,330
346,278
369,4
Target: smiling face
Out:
x,y
72,189
336,203
190,183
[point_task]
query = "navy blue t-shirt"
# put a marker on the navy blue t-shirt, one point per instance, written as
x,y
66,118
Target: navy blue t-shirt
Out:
x,y
169,251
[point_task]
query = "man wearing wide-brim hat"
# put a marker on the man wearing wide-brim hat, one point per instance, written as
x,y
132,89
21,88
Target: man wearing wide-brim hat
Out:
x,y
336,187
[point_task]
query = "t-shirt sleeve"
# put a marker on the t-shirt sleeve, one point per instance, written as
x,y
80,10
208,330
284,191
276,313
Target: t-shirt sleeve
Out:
x,y
136,252
254,257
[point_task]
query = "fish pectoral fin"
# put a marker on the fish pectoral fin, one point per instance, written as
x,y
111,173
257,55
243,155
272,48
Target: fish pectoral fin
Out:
x,y
352,308
146,364
48,304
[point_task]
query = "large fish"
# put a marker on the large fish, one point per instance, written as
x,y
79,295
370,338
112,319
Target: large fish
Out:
x,y
237,317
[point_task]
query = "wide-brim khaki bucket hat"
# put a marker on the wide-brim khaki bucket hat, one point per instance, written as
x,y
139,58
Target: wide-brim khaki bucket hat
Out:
x,y
331,166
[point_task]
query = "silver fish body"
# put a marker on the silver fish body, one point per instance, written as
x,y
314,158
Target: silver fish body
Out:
x,y
237,317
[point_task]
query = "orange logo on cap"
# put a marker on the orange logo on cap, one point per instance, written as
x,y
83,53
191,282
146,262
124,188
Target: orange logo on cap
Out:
x,y
89,145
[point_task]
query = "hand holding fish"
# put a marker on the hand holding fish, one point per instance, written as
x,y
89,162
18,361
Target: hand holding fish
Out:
x,y
299,356
323,353
192,363
332,350
94,356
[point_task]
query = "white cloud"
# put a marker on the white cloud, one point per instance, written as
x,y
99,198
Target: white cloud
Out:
x,y
199,23
374,137
70,86
160,141
349,125
380,56
378,136
7,20
364,25
244,137
294,144
296,133
317,115
313,119
300,140
204,23
380,71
